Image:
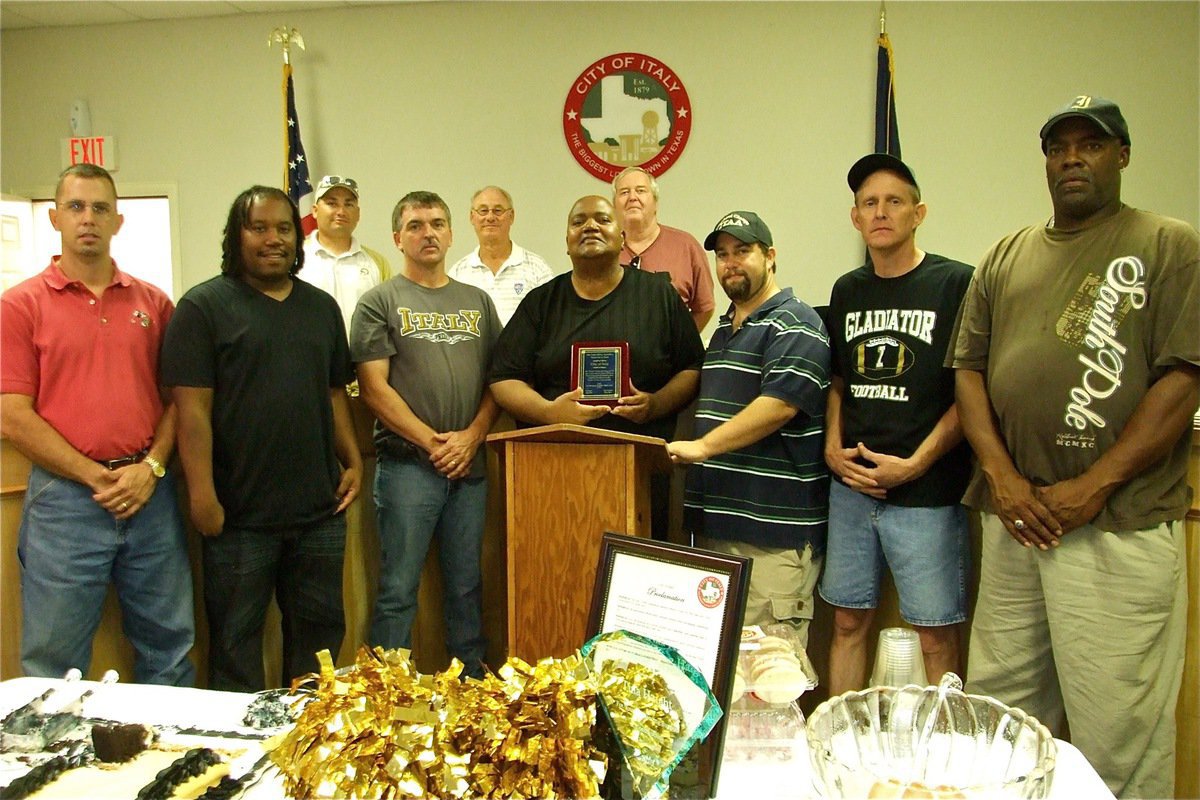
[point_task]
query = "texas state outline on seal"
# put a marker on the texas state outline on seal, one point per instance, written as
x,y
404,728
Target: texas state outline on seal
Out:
x,y
627,110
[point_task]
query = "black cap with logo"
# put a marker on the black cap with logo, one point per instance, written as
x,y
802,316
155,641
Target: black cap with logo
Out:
x,y
745,226
1104,113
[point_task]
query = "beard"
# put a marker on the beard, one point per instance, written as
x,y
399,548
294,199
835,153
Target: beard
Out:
x,y
738,287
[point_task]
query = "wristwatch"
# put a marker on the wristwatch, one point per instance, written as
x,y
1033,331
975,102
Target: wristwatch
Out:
x,y
155,466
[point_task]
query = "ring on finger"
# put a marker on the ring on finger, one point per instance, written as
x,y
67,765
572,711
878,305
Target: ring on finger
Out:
x,y
1019,524
123,506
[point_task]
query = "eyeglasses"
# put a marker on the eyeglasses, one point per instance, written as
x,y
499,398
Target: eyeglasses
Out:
x,y
77,207
498,211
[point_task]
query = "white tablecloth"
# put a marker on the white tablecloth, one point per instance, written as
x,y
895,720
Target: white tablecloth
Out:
x,y
1074,777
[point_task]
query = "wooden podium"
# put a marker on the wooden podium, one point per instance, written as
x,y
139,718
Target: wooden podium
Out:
x,y
564,486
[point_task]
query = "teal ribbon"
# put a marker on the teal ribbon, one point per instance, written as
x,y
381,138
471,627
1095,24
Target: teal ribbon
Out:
x,y
712,713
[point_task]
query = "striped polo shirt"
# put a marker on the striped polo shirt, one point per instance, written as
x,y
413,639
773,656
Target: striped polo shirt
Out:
x,y
774,492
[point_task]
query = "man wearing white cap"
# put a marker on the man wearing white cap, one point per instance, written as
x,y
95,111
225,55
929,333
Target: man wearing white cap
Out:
x,y
333,258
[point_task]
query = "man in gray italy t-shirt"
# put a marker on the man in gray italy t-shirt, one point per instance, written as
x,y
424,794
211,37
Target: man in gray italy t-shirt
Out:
x,y
422,344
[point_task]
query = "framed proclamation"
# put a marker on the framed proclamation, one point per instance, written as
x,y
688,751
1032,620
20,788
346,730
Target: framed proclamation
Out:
x,y
692,600
602,370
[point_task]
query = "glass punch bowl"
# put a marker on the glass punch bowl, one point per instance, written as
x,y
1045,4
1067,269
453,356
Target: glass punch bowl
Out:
x,y
934,742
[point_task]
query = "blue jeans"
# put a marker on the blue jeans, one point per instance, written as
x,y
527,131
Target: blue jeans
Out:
x,y
302,567
926,549
415,503
70,549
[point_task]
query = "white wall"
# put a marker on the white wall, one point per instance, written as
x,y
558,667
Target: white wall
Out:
x,y
450,96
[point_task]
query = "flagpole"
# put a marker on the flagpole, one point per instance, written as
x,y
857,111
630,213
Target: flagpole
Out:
x,y
285,36
887,138
295,164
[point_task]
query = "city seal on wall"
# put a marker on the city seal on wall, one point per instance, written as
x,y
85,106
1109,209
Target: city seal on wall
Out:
x,y
627,110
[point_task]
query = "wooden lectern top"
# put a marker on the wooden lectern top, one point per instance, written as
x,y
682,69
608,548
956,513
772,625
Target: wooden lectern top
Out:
x,y
654,448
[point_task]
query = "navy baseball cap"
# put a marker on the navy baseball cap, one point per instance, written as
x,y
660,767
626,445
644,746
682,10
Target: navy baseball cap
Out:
x,y
868,165
1105,113
745,226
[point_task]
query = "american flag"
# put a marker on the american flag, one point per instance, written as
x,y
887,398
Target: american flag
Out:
x,y
295,166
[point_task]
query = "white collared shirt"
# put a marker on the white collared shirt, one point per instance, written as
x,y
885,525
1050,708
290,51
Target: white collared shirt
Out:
x,y
521,272
346,276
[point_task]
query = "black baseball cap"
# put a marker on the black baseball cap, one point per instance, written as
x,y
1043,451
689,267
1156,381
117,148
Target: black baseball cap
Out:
x,y
1104,113
868,165
745,226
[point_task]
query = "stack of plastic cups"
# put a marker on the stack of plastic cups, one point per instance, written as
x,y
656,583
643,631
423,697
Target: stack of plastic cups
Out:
x,y
898,661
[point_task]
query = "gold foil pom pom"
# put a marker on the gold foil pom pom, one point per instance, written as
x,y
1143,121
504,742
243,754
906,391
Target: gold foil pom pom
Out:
x,y
383,730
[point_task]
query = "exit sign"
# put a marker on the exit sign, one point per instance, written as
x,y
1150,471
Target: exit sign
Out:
x,y
98,150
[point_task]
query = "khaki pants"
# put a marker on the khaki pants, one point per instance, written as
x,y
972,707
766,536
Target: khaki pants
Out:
x,y
782,581
1095,629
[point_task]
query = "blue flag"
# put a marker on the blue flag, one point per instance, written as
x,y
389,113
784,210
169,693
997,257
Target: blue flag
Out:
x,y
887,136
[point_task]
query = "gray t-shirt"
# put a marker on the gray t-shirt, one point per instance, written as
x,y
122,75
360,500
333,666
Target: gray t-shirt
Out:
x,y
438,343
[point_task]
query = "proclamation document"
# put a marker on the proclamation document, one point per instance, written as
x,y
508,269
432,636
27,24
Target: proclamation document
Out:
x,y
676,604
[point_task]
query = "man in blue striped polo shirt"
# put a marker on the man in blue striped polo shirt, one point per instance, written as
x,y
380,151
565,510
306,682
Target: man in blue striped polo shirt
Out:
x,y
759,486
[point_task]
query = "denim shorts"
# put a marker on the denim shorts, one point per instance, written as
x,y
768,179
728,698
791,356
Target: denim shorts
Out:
x,y
926,549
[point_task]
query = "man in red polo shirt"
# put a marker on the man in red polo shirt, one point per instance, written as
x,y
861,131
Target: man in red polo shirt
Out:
x,y
79,396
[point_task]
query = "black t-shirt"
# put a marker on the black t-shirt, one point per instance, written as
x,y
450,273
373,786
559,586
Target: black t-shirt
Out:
x,y
889,338
271,365
644,310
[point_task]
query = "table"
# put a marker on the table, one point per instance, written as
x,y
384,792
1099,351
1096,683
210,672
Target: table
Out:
x,y
1074,777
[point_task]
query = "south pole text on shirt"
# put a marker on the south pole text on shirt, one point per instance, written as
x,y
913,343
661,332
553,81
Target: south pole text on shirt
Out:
x,y
1124,279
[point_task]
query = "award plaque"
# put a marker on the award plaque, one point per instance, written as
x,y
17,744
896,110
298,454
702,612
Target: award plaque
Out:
x,y
602,370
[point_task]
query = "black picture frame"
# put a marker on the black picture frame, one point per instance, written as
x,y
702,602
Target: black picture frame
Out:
x,y
704,762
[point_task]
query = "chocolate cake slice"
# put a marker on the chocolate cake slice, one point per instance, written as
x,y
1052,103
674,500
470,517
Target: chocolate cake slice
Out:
x,y
116,742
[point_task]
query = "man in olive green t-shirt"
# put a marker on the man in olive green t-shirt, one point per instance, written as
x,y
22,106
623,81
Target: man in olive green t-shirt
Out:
x,y
1078,372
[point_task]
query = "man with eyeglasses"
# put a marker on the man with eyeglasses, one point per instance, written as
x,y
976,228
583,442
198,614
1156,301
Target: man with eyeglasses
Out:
x,y
654,247
80,397
499,266
333,258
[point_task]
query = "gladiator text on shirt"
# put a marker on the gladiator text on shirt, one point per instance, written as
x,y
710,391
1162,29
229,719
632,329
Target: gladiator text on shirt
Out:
x,y
916,322
1103,365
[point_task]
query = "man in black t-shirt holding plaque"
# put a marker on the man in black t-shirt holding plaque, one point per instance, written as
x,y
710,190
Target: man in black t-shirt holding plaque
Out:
x,y
893,439
598,301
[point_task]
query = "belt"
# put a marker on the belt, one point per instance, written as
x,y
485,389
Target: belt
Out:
x,y
123,461
398,448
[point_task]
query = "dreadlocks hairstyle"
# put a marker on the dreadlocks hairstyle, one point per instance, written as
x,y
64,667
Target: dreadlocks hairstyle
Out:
x,y
239,218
